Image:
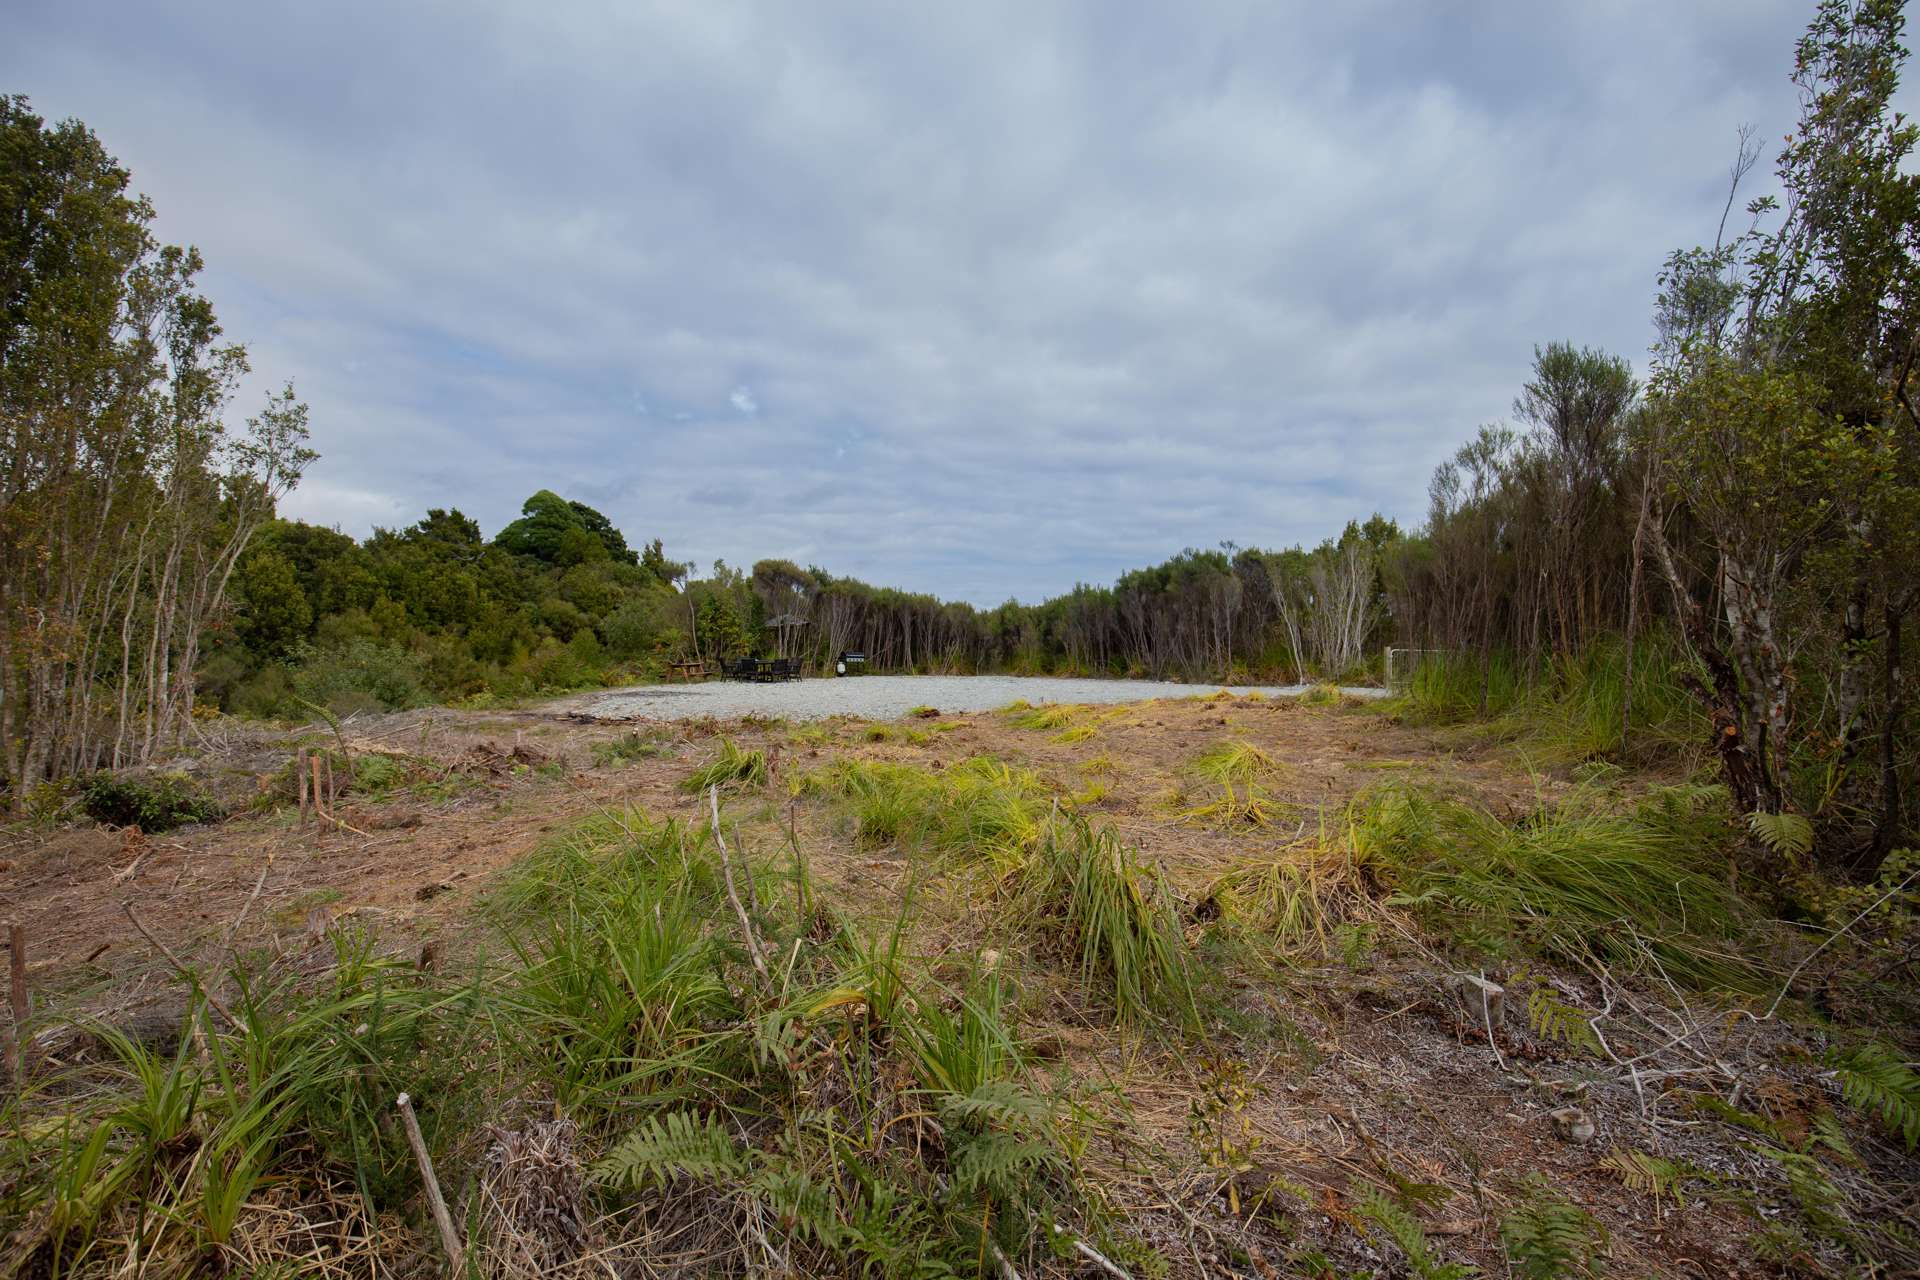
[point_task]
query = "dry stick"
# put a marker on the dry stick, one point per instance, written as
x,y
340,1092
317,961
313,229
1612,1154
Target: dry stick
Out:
x,y
212,999
226,946
17,966
1788,986
435,1201
733,896
1093,1255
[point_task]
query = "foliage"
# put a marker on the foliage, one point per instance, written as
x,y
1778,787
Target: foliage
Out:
x,y
1400,1227
629,747
1095,897
1574,878
151,802
977,808
126,499
1234,768
732,765
1548,1237
1876,1079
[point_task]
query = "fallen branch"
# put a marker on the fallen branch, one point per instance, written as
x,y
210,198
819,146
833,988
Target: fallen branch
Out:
x,y
1833,938
733,895
1093,1255
218,1006
21,1047
449,1239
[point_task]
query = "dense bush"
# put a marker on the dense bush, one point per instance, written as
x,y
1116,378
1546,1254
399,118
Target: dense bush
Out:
x,y
157,802
363,675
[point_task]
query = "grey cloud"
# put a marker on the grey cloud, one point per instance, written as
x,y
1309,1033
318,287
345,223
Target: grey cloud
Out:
x,y
1018,295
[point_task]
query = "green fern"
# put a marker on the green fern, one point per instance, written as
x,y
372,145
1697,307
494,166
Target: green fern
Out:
x,y
1652,1175
1400,1227
1548,1237
1787,834
671,1145
1554,1019
994,1101
809,1207
1874,1078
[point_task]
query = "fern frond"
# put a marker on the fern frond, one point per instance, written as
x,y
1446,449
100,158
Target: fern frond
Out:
x,y
1548,1237
1400,1227
1000,1163
1787,834
1554,1019
1651,1175
1873,1078
994,1101
673,1145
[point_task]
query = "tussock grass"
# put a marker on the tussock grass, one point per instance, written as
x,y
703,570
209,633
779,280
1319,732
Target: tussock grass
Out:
x,y
732,765
1114,913
656,1060
1299,899
1571,710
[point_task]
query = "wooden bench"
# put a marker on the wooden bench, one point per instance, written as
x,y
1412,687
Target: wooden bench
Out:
x,y
688,671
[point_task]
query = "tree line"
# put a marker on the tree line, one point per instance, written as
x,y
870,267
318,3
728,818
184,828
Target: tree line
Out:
x,y
1740,529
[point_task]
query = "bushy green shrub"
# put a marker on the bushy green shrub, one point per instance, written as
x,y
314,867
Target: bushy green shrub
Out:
x,y
157,802
359,676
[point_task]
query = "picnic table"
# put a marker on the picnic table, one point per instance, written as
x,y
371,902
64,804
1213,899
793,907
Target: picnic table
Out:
x,y
760,669
689,671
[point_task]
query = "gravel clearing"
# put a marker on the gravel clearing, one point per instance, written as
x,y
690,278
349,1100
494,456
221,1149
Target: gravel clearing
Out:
x,y
889,697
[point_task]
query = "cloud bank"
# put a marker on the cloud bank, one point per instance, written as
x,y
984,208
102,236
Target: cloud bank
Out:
x,y
982,301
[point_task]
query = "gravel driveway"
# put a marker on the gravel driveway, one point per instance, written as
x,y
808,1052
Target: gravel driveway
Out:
x,y
887,697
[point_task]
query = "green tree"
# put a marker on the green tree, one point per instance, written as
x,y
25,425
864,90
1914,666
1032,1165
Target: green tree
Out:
x,y
1783,427
125,499
558,532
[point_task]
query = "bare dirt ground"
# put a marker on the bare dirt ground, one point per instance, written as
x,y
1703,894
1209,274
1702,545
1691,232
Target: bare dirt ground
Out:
x,y
1365,1073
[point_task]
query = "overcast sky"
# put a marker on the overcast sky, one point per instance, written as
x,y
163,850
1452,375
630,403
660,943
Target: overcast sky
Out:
x,y
979,299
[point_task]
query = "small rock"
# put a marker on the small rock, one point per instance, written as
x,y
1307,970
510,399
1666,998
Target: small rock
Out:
x,y
426,891
1572,1124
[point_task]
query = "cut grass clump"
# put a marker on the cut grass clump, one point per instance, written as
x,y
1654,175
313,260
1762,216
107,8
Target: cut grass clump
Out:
x,y
1079,733
732,765
976,808
1041,718
631,747
1114,913
1302,899
1572,879
1231,771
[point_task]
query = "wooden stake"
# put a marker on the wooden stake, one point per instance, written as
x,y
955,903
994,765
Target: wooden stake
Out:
x,y
326,762
300,777
20,1057
449,1239
319,813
